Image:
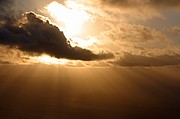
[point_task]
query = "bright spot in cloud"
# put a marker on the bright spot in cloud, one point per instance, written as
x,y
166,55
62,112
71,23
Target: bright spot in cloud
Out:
x,y
82,43
70,15
45,59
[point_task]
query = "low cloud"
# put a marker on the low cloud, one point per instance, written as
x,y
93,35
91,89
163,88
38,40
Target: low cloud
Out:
x,y
175,30
148,61
36,36
135,3
12,56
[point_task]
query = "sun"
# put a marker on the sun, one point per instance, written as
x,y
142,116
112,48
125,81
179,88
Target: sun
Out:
x,y
70,15
71,18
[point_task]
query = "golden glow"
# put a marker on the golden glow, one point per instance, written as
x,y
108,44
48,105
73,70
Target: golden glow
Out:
x,y
70,15
82,43
71,18
45,59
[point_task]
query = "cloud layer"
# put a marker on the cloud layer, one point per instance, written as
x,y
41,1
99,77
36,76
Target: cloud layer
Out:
x,y
148,61
135,3
33,35
135,28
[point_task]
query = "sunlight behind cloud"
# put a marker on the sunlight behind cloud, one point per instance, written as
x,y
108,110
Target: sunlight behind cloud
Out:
x,y
82,43
46,59
72,17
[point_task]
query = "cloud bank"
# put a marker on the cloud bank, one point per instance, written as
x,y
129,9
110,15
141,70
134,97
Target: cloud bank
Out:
x,y
33,35
148,61
135,3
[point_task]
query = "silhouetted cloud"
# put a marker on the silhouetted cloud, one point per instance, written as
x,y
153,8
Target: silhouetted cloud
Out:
x,y
33,35
148,61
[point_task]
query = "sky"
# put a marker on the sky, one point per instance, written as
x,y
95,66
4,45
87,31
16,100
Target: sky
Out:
x,y
89,59
107,32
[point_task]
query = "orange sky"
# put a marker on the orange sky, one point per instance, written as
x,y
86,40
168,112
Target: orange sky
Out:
x,y
89,59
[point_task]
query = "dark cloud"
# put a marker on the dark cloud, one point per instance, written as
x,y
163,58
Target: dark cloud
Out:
x,y
144,61
25,4
4,5
135,3
5,2
33,35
